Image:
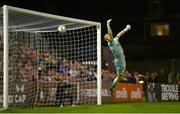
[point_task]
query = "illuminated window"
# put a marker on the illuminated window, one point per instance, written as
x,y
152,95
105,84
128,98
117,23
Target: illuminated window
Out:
x,y
159,29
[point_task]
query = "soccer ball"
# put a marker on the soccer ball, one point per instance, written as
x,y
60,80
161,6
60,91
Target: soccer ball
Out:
x,y
62,29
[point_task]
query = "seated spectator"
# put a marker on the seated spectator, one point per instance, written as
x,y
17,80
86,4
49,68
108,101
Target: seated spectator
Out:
x,y
130,78
64,67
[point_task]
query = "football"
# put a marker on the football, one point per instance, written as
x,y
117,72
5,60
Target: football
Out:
x,y
62,29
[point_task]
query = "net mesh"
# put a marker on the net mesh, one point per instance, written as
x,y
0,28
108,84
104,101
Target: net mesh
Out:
x,y
46,67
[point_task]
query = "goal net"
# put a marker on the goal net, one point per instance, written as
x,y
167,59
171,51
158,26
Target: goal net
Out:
x,y
41,66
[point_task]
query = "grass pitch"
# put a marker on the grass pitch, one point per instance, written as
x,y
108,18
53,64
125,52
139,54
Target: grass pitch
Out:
x,y
140,107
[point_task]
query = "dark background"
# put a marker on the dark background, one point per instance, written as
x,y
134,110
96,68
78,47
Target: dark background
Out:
x,y
137,44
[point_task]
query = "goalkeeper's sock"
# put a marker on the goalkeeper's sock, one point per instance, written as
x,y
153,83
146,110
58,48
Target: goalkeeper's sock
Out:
x,y
111,91
115,82
113,86
123,79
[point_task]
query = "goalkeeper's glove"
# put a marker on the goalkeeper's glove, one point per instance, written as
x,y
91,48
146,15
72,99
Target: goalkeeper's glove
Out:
x,y
108,23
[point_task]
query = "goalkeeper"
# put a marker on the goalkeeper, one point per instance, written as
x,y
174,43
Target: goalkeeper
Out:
x,y
117,51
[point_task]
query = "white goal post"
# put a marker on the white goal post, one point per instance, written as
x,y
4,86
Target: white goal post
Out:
x,y
41,66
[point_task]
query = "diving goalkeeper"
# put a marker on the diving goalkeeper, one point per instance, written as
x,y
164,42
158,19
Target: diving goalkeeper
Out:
x,y
117,51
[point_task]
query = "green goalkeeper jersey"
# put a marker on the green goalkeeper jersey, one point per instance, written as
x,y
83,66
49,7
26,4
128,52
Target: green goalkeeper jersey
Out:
x,y
119,58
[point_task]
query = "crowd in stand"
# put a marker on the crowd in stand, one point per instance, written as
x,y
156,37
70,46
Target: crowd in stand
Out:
x,y
137,77
32,64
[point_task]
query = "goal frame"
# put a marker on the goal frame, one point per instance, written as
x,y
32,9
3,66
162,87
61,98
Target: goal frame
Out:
x,y
6,9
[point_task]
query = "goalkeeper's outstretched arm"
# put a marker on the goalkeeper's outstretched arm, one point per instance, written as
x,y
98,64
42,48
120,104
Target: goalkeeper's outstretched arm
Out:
x,y
128,27
109,27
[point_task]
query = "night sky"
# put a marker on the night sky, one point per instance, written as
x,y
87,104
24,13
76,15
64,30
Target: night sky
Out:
x,y
121,11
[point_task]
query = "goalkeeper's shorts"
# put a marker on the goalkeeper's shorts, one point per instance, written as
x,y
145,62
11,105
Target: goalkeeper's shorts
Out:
x,y
120,65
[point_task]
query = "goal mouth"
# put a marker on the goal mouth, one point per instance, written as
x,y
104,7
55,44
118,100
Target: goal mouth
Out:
x,y
46,68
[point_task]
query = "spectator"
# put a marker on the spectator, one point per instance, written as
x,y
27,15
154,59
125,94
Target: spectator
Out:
x,y
130,78
64,67
62,93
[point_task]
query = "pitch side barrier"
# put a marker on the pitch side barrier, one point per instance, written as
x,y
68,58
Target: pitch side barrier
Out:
x,y
128,92
43,93
162,92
